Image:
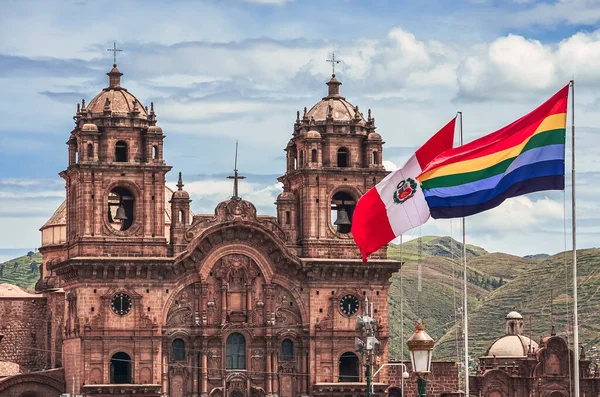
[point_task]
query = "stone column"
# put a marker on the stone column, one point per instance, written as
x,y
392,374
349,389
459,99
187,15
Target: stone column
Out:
x,y
248,299
165,375
194,373
275,374
223,303
204,390
269,375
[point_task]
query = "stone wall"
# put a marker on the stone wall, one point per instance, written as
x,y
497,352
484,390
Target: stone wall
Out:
x,y
442,381
24,323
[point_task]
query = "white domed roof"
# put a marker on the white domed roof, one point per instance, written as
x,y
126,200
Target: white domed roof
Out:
x,y
511,346
514,315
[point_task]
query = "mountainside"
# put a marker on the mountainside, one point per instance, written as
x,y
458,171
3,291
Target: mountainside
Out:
x,y
538,287
23,271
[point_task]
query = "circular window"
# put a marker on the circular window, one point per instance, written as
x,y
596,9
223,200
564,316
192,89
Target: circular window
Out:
x,y
121,304
120,208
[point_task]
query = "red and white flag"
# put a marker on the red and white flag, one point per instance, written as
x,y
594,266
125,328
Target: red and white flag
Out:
x,y
397,203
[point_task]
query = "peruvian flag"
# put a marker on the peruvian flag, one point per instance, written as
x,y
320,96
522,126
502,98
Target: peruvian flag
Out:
x,y
397,203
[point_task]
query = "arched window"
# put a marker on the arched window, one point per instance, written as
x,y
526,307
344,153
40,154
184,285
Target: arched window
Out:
x,y
375,157
178,350
181,217
287,350
349,368
343,157
301,158
121,152
342,210
121,203
120,368
155,152
90,152
313,156
235,351
288,217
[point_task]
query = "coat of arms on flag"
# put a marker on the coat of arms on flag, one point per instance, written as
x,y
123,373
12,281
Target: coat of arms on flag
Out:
x,y
405,190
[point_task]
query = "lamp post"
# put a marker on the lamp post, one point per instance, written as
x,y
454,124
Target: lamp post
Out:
x,y
420,346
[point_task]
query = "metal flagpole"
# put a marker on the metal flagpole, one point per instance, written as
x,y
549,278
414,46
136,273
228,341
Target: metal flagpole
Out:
x,y
464,255
574,222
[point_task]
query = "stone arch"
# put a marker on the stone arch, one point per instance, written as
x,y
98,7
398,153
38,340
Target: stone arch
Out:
x,y
260,258
135,190
345,197
43,383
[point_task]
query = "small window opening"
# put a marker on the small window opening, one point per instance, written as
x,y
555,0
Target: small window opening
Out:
x,y
178,350
313,156
155,152
90,152
121,152
343,157
288,217
287,350
235,351
349,367
342,210
375,157
301,158
181,217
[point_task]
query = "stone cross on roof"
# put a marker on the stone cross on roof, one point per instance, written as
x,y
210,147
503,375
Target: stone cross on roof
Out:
x,y
114,51
333,62
235,175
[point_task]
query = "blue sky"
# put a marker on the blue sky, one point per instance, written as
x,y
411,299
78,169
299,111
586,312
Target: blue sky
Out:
x,y
222,70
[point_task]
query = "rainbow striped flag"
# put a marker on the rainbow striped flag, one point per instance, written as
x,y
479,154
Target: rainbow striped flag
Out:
x,y
526,156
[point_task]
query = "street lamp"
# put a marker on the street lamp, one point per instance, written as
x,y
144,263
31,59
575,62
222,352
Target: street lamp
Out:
x,y
420,346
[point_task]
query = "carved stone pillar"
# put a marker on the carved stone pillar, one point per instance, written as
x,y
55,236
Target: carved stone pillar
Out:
x,y
223,302
269,375
275,374
194,370
165,373
248,299
204,390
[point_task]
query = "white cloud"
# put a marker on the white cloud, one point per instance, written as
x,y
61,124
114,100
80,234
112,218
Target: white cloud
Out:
x,y
389,165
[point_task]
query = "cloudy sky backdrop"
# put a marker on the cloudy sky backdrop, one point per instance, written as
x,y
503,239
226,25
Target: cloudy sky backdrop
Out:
x,y
221,70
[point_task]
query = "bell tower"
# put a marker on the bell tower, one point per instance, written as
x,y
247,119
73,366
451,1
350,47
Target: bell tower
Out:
x,y
115,177
333,158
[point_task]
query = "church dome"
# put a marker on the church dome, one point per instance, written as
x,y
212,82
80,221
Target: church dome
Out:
x,y
511,346
180,193
373,136
334,106
514,315
89,128
155,130
313,134
116,98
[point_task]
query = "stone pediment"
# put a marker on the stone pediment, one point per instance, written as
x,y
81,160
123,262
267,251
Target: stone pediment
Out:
x,y
234,210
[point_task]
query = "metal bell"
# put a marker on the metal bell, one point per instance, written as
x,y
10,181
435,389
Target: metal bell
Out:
x,y
342,218
121,216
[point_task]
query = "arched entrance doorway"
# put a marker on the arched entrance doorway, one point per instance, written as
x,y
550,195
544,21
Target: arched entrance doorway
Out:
x,y
348,368
120,368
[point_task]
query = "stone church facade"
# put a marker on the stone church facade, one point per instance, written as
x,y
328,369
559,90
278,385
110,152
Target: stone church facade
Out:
x,y
142,297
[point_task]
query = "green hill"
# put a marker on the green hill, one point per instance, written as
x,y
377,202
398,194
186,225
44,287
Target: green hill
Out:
x,y
541,293
23,271
441,289
497,284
